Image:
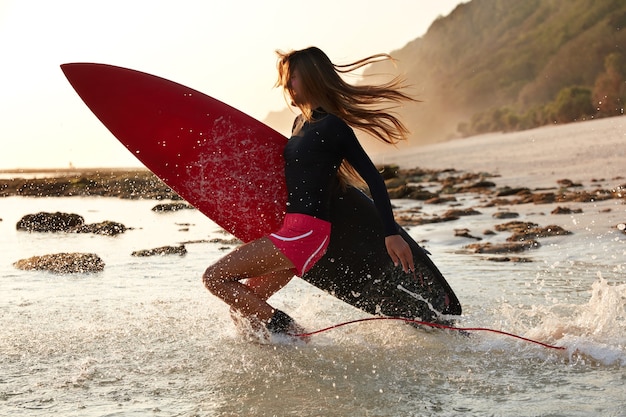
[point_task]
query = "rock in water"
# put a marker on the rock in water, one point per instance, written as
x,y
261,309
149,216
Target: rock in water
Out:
x,y
50,222
172,207
107,228
63,263
162,251
68,223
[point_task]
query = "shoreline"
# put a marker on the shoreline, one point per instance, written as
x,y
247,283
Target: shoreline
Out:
x,y
591,154
105,182
71,170
538,157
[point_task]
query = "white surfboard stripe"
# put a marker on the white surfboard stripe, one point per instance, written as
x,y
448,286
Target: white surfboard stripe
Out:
x,y
304,268
291,239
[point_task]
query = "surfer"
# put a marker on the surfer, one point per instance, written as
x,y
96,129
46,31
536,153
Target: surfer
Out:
x,y
322,150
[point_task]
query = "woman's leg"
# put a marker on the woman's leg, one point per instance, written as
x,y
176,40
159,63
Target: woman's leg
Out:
x,y
269,284
259,258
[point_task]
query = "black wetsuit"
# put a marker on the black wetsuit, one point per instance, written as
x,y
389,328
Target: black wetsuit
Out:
x,y
312,157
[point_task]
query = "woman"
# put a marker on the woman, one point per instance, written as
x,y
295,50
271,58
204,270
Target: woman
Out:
x,y
322,148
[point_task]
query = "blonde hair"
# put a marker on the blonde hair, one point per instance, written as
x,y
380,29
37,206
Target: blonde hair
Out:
x,y
364,107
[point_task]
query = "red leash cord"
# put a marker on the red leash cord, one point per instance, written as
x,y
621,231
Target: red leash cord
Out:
x,y
434,325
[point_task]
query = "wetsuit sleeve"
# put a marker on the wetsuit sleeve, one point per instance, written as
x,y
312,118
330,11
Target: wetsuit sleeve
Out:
x,y
358,158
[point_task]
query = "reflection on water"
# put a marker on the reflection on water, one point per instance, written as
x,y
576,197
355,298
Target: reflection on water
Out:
x,y
145,338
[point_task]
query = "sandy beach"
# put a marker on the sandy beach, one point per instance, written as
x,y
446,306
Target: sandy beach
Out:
x,y
532,158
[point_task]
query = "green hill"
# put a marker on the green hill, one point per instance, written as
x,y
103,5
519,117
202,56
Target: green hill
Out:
x,y
494,65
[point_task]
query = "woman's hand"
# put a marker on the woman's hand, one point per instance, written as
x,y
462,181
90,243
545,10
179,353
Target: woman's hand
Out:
x,y
400,252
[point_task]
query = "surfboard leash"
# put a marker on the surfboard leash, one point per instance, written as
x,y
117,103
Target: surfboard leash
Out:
x,y
433,325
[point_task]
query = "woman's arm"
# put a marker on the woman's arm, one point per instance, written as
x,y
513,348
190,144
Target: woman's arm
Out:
x,y
398,249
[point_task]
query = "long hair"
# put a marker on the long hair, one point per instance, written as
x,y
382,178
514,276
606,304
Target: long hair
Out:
x,y
368,108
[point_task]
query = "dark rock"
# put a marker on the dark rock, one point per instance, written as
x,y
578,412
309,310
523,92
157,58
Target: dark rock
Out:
x,y
172,207
498,202
477,187
566,197
543,198
508,191
488,247
565,210
407,220
505,215
395,182
231,241
568,183
420,194
516,259
583,196
63,263
50,222
515,226
68,223
162,251
538,232
397,192
465,233
461,212
107,228
440,200
389,171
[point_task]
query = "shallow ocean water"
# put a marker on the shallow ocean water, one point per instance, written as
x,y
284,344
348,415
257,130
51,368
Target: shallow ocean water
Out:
x,y
144,337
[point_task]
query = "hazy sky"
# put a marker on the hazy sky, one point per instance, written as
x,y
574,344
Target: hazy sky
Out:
x,y
224,49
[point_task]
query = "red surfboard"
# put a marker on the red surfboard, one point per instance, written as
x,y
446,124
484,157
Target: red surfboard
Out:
x,y
230,167
219,159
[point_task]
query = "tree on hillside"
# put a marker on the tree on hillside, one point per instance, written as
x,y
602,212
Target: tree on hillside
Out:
x,y
609,91
571,104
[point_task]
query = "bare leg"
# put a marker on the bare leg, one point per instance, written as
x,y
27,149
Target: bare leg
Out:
x,y
267,285
259,258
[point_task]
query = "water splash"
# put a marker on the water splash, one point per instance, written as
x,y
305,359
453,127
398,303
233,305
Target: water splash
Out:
x,y
595,330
